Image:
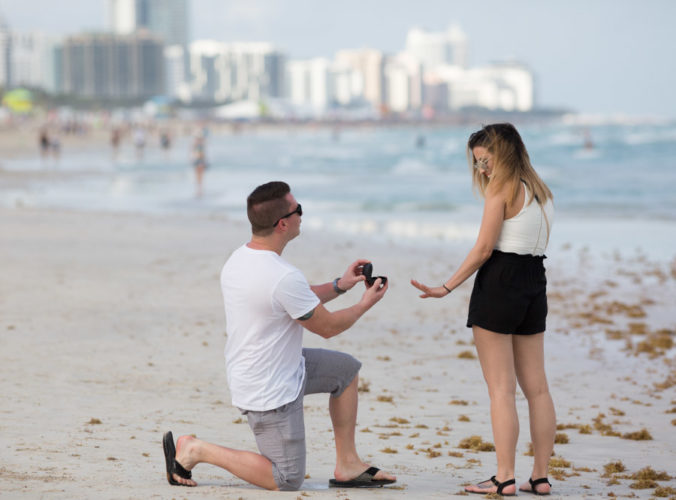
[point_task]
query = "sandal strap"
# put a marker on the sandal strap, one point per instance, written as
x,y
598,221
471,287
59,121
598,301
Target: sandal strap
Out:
x,y
535,482
503,485
181,471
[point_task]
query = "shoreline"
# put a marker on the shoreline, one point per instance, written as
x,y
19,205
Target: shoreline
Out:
x,y
19,137
114,334
651,236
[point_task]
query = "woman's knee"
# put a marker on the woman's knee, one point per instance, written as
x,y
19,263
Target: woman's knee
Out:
x,y
533,392
502,393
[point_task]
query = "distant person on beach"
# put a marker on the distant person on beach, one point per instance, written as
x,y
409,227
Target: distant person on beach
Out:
x,y
268,303
508,306
199,161
43,142
588,142
55,146
115,139
165,140
420,141
139,141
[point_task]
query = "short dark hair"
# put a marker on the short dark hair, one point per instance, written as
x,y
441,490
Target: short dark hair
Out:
x,y
265,205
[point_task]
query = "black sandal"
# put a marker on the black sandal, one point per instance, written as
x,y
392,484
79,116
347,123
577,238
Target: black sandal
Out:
x,y
501,486
173,467
534,483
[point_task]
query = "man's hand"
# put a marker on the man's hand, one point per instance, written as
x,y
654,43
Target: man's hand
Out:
x,y
352,275
328,324
374,293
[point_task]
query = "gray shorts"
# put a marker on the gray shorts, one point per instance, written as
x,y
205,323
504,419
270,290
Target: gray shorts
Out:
x,y
280,433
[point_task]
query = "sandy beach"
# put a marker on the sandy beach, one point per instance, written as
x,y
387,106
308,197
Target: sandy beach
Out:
x,y
113,332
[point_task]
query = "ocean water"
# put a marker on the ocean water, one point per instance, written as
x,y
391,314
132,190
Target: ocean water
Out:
x,y
398,183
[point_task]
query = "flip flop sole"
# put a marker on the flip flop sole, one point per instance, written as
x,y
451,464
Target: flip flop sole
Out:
x,y
169,455
535,493
376,483
491,493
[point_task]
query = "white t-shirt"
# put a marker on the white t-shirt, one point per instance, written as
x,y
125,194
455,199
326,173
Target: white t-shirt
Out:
x,y
263,295
527,233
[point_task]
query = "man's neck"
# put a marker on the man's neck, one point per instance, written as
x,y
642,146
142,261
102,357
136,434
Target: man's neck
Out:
x,y
263,243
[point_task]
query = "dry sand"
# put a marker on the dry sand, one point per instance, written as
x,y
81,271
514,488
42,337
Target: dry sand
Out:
x,y
21,140
113,332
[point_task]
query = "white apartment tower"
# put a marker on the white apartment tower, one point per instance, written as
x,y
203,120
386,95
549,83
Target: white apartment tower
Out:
x,y
403,83
33,61
233,71
5,54
309,84
370,65
438,48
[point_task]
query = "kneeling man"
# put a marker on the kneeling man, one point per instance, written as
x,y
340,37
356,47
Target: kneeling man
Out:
x,y
268,302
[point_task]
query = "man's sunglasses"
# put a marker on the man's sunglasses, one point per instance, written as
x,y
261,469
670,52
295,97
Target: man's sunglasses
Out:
x,y
298,210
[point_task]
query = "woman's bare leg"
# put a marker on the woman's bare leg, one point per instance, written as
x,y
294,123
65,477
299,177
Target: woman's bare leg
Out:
x,y
497,363
530,372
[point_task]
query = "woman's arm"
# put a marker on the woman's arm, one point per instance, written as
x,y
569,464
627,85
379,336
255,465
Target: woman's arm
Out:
x,y
491,224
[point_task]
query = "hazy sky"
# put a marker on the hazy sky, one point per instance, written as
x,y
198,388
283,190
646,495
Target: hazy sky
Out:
x,y
594,56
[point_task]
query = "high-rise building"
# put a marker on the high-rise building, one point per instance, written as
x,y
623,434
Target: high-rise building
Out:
x,y
112,66
438,48
177,84
403,83
235,71
167,19
32,61
347,84
505,86
5,54
370,64
310,83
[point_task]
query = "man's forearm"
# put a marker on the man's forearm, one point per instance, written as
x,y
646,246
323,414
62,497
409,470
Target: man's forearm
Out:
x,y
325,292
339,321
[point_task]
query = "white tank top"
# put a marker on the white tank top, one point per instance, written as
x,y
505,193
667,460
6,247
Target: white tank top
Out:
x,y
527,233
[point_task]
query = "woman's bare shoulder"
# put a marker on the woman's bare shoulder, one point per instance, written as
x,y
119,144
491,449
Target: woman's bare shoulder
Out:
x,y
494,191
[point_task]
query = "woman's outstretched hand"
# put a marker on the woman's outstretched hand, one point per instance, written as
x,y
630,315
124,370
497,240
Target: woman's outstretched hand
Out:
x,y
437,292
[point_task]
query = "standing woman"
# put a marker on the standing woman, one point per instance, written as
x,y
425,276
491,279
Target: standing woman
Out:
x,y
508,306
199,161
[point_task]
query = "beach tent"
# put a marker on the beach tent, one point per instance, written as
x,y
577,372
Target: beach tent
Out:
x,y
253,110
159,107
18,101
241,110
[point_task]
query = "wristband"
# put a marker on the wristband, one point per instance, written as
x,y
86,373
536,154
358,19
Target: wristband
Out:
x,y
336,289
447,289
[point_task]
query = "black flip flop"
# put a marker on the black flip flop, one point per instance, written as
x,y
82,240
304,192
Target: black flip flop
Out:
x,y
534,483
173,467
364,480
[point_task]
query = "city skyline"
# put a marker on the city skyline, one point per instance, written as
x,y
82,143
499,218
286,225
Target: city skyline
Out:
x,y
614,59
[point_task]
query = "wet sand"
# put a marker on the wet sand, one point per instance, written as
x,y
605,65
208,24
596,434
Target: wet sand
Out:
x,y
113,332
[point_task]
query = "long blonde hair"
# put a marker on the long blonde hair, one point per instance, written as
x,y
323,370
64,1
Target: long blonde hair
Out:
x,y
511,163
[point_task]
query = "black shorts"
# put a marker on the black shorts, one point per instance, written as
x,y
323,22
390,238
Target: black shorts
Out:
x,y
510,295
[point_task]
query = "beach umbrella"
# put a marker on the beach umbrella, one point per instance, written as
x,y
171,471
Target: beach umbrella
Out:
x,y
18,101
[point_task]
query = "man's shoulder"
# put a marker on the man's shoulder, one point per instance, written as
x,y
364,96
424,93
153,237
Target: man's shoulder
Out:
x,y
256,261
